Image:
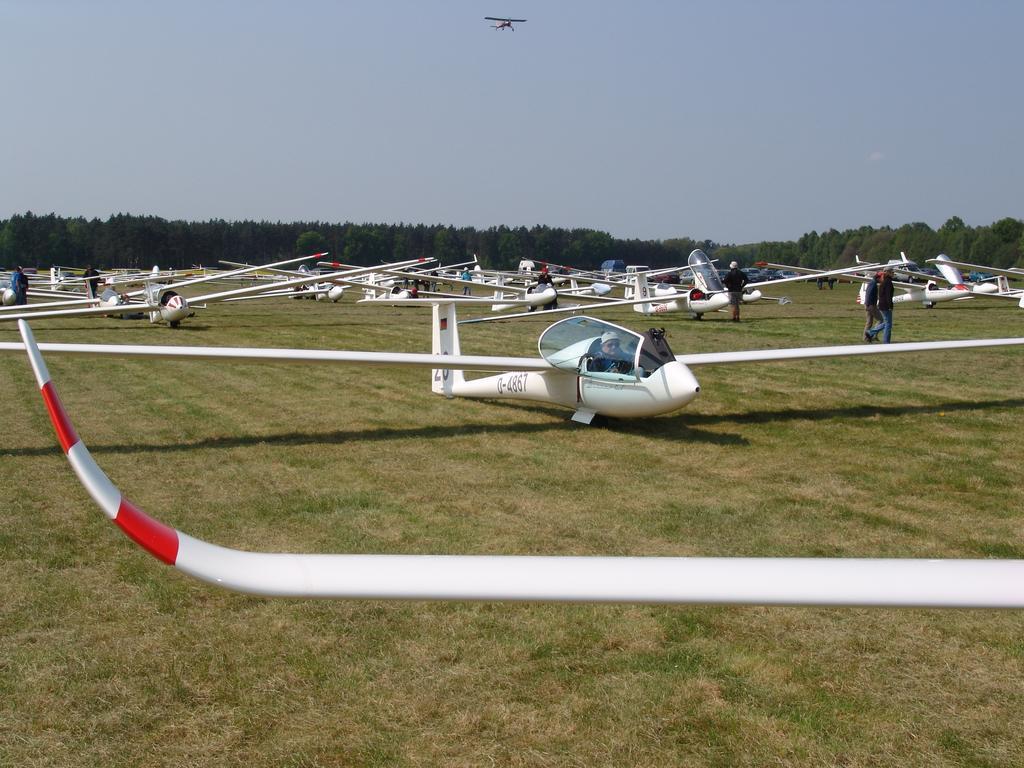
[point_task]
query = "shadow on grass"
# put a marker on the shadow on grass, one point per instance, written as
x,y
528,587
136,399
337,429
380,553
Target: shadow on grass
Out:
x,y
560,421
681,428
652,428
849,412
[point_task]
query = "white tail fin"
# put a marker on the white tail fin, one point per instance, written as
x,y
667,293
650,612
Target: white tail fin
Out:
x,y
641,290
499,295
445,341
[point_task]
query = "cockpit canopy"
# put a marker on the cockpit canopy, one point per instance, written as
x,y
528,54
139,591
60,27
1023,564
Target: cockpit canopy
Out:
x,y
586,345
704,272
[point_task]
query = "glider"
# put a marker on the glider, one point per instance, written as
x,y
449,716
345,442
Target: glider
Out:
x,y
579,366
690,580
930,294
163,302
708,294
1001,289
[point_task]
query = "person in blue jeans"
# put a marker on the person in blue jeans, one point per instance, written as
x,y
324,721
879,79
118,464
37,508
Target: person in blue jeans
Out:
x,y
885,293
19,284
871,306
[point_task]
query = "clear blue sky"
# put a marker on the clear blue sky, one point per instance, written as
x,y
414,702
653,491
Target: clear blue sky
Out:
x,y
735,121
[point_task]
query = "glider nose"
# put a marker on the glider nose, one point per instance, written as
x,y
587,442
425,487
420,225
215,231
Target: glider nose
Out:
x,y
680,384
174,309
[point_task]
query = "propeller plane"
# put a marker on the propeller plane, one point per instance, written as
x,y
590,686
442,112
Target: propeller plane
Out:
x,y
503,23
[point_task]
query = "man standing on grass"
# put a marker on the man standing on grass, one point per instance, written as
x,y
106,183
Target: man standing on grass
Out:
x,y
871,307
19,284
885,291
735,281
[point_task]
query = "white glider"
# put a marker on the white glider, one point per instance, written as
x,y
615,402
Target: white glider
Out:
x,y
579,366
690,580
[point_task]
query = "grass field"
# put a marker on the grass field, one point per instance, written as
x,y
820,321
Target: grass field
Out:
x,y
107,657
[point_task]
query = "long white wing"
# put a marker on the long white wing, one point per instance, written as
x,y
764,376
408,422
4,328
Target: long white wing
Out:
x,y
1010,272
741,580
269,354
247,269
602,304
845,271
119,309
483,362
804,353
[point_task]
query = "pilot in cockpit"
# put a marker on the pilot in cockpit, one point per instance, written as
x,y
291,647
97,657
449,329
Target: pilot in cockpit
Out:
x,y
610,357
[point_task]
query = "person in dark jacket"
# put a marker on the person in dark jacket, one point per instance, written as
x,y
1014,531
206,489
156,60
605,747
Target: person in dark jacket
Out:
x,y
885,295
19,284
871,307
92,281
735,281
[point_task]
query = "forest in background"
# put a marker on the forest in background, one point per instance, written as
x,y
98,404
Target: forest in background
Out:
x,y
132,241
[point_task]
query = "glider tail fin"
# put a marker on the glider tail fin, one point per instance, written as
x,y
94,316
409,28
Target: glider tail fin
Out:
x,y
445,341
641,290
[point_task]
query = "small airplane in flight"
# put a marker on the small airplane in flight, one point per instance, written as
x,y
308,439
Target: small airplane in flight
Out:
x,y
503,23
845,582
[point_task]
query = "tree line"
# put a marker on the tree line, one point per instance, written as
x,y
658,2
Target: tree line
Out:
x,y
139,242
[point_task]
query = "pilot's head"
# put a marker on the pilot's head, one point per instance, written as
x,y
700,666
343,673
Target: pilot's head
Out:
x,y
610,341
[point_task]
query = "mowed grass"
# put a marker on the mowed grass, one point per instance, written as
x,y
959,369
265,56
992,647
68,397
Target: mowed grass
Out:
x,y
107,657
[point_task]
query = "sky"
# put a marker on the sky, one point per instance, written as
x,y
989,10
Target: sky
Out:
x,y
732,121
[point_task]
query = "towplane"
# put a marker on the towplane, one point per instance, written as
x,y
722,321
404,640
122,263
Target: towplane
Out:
x,y
503,23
